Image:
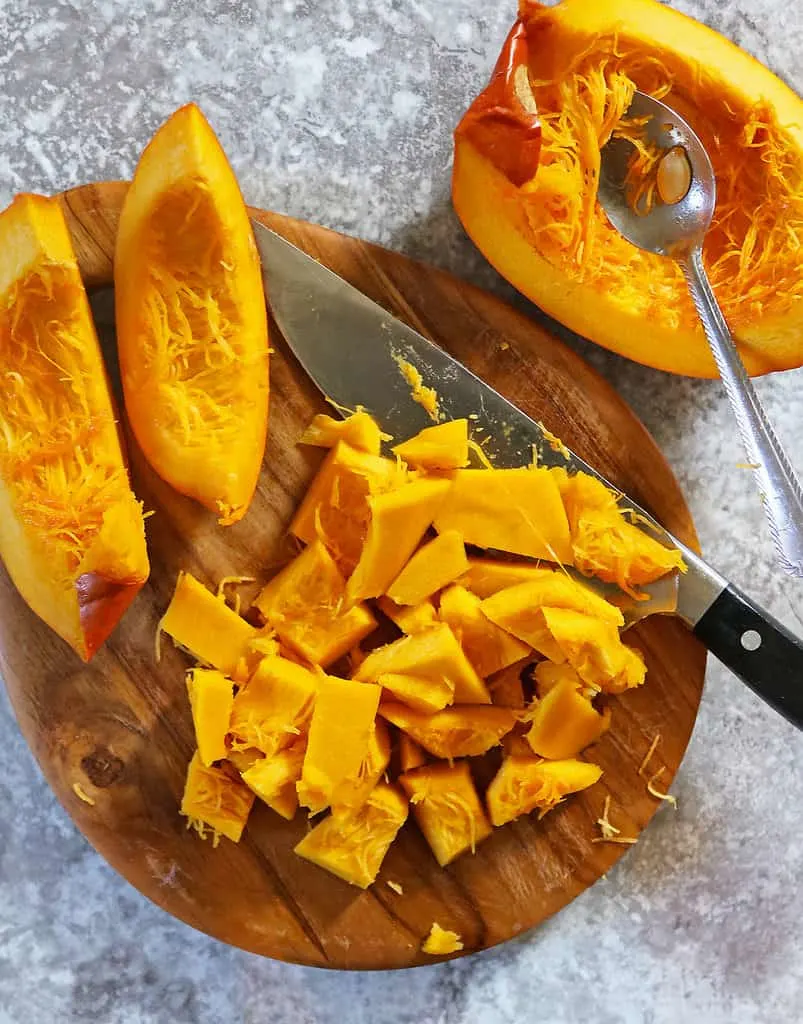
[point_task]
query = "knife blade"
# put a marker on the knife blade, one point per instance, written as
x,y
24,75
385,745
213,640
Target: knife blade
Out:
x,y
352,349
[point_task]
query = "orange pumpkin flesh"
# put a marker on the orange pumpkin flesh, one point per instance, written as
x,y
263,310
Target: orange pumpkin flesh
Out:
x,y
549,236
352,844
71,532
447,809
301,738
191,319
524,783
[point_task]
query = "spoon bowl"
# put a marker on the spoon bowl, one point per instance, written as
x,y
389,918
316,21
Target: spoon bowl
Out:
x,y
669,229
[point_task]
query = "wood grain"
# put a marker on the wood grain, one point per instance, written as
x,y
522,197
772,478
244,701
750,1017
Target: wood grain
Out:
x,y
121,728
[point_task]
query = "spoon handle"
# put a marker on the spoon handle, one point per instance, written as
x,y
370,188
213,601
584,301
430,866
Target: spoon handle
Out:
x,y
780,488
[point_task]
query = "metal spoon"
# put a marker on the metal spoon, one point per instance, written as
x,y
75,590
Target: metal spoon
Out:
x,y
677,229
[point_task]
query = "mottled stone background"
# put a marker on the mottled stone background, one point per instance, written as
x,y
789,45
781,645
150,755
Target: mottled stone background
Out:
x,y
341,112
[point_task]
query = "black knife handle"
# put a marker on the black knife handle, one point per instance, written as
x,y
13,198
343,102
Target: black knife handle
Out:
x,y
758,649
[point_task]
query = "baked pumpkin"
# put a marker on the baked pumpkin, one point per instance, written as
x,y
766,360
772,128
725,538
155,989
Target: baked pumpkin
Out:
x,y
191,319
71,531
526,188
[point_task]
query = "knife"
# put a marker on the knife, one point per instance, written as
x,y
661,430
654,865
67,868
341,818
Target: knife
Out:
x,y
351,348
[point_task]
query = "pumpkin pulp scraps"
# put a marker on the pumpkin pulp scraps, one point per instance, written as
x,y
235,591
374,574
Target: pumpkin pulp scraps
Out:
x,y
277,719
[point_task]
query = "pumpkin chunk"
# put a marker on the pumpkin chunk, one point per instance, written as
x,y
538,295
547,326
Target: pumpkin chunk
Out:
x,y
444,446
409,618
432,654
515,510
303,604
441,941
359,430
605,544
274,778
524,783
72,536
191,323
205,626
427,695
506,687
516,608
410,754
454,732
340,736
397,521
564,723
335,506
430,569
595,650
211,698
355,790
214,798
487,576
487,647
352,844
447,809
548,674
274,708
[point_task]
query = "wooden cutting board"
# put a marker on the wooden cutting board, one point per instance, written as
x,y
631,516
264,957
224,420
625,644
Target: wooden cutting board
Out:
x,y
120,728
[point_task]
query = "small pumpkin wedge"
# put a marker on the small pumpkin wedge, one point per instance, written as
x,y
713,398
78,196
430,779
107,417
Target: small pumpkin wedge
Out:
x,y
71,531
191,319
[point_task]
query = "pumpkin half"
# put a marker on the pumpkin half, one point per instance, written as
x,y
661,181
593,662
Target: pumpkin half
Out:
x,y
71,531
191,319
532,208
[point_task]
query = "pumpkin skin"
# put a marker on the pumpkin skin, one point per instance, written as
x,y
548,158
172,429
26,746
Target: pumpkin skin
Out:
x,y
191,320
71,531
748,120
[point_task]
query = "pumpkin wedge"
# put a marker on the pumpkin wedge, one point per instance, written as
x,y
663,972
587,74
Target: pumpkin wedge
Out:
x,y
537,220
191,320
71,532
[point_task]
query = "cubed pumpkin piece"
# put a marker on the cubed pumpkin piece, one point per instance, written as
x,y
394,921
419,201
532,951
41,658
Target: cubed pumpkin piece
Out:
x,y
274,707
487,576
215,798
605,543
304,605
595,650
447,809
515,510
352,844
359,430
427,695
444,446
409,619
465,731
397,520
515,608
441,941
524,783
211,698
506,687
548,674
432,654
355,790
339,738
487,647
205,626
410,754
335,506
564,723
274,778
431,568
244,759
